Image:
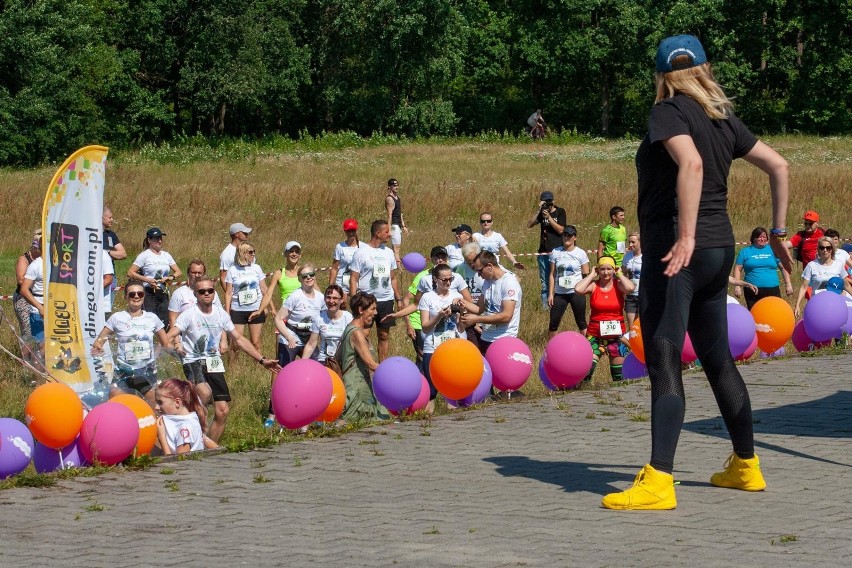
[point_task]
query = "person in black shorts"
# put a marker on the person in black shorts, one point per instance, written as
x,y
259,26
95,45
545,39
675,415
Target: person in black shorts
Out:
x,y
683,165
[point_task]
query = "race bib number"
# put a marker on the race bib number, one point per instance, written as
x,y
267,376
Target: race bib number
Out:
x,y
381,269
442,337
247,296
569,280
610,328
136,351
621,247
330,349
214,364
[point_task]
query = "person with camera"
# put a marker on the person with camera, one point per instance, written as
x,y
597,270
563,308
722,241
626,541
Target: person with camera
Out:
x,y
551,221
439,317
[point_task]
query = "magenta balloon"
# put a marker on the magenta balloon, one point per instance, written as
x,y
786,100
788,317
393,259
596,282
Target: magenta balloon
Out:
x,y
414,262
567,359
825,314
801,340
847,327
749,351
16,448
300,393
542,374
741,329
396,383
47,459
687,354
511,363
109,434
633,368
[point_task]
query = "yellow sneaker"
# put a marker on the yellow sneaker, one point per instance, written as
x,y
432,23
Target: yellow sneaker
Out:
x,y
740,474
652,490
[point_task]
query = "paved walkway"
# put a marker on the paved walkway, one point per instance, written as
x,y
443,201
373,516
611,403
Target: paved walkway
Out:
x,y
512,484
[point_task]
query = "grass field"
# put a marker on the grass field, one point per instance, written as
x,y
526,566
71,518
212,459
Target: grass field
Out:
x,y
304,195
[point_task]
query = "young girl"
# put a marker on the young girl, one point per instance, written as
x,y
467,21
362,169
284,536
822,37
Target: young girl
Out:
x,y
181,416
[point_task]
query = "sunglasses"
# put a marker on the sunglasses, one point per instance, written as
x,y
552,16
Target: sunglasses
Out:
x,y
483,221
250,251
205,291
445,280
136,295
826,248
307,275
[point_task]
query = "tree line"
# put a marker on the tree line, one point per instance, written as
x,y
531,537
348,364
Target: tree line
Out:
x,y
129,72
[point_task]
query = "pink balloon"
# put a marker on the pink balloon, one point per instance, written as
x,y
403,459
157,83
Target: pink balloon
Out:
x,y
109,434
802,342
300,393
567,359
687,355
749,351
511,363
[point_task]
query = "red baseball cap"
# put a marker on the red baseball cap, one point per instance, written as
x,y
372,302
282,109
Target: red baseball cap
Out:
x,y
350,225
811,216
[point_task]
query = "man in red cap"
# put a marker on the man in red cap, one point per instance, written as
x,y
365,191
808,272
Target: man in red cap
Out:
x,y
803,244
342,257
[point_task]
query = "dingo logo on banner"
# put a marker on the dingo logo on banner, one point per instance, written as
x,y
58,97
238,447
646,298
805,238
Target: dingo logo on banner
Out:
x,y
73,275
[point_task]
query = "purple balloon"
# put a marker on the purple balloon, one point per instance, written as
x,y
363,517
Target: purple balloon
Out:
x,y
483,389
825,314
847,327
16,447
414,262
741,329
396,383
542,374
633,368
47,459
777,353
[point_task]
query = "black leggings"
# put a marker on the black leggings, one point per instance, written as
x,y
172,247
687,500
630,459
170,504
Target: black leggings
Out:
x,y
751,298
560,303
695,300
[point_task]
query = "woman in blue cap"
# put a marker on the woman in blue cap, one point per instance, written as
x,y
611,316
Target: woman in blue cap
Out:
x,y
688,249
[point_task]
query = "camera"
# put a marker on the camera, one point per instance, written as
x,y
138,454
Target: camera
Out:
x,y
456,309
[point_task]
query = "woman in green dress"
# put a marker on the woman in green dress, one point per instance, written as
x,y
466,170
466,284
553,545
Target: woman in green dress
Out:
x,y
358,360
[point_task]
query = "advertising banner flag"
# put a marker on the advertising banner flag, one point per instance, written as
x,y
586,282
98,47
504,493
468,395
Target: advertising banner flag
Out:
x,y
73,275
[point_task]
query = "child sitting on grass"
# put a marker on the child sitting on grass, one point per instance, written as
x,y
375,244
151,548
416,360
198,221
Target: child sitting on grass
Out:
x,y
181,416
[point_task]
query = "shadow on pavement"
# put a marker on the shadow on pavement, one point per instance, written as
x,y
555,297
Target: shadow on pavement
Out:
x,y
827,417
570,476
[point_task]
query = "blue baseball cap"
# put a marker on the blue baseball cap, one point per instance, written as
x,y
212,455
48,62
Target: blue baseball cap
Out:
x,y
680,52
835,284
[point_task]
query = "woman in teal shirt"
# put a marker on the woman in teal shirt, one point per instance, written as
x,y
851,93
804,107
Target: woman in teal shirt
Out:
x,y
761,270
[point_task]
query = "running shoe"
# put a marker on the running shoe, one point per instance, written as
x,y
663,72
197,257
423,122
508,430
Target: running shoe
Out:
x,y
652,490
740,474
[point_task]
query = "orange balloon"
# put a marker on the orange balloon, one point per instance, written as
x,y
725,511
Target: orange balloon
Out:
x,y
338,399
637,346
775,322
147,421
54,414
456,368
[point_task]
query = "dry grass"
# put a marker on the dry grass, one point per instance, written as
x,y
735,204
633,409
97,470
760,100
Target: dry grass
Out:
x,y
306,195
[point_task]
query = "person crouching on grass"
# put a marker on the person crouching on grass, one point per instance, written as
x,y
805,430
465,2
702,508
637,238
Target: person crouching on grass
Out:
x,y
181,415
197,335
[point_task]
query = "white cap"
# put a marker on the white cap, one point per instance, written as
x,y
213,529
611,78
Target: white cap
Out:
x,y
239,228
291,244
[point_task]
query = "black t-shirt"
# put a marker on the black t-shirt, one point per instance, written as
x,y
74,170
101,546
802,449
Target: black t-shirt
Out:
x,y
718,142
550,237
110,241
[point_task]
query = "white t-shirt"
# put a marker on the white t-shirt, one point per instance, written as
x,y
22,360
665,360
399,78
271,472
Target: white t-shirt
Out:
x,y
183,429
35,272
135,337
446,328
841,255
201,333
492,243
473,280
303,311
330,332
153,265
343,255
374,266
817,275
495,293
184,298
425,285
107,268
454,255
226,259
246,281
569,268
632,266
